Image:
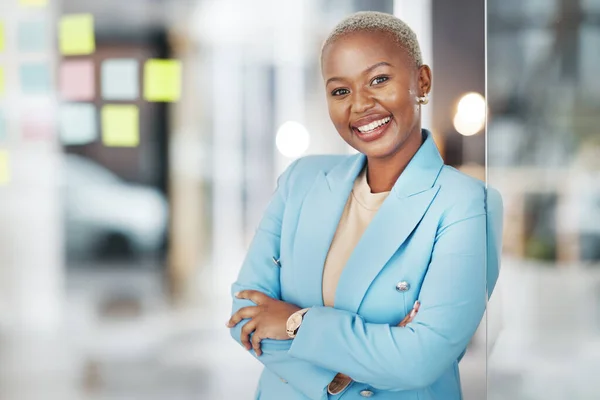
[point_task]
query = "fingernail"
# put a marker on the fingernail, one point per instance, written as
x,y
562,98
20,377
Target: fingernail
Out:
x,y
416,304
236,294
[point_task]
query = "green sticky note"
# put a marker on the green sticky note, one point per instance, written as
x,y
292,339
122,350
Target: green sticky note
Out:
x,y
120,125
2,37
33,3
4,167
76,35
162,80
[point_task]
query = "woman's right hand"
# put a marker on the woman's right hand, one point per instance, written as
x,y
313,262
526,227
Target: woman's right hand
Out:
x,y
341,381
411,315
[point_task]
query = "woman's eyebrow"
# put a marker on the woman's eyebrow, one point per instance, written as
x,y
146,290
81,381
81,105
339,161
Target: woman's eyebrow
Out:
x,y
366,71
379,64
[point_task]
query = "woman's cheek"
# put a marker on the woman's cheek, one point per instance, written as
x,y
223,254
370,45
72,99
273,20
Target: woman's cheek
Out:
x,y
339,121
393,98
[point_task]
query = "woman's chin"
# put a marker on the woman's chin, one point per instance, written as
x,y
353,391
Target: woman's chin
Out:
x,y
377,149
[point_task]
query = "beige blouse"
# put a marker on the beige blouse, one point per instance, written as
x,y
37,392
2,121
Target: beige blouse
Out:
x,y
358,213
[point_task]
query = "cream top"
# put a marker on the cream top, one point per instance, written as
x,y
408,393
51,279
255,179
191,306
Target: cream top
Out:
x,y
358,213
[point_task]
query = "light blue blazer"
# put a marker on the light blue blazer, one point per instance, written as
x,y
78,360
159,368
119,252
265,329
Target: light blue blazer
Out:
x,y
437,232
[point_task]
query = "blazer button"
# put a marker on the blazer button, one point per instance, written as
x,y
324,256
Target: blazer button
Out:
x,y
403,286
366,393
283,380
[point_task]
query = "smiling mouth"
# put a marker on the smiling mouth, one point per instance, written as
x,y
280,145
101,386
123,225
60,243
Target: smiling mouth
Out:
x,y
373,130
373,125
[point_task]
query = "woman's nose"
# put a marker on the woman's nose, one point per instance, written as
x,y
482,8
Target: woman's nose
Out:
x,y
362,102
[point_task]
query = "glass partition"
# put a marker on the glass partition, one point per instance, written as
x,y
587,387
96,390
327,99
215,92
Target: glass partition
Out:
x,y
544,158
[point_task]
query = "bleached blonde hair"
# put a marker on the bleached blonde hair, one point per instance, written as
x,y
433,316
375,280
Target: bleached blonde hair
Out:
x,y
373,21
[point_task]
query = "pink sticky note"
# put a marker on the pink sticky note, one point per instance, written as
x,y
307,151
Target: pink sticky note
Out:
x,y
38,123
77,80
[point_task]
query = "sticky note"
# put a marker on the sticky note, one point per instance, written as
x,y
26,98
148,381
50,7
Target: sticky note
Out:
x,y
162,80
33,36
4,167
120,79
2,37
76,80
2,81
35,78
78,124
33,3
120,125
38,122
76,35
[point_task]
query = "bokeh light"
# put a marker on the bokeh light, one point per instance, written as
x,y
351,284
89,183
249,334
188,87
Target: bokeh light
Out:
x,y
470,115
292,139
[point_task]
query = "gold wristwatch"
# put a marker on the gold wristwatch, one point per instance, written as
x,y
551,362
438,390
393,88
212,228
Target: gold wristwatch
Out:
x,y
294,322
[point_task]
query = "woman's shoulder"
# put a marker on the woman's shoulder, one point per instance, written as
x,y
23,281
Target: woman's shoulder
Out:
x,y
456,181
460,189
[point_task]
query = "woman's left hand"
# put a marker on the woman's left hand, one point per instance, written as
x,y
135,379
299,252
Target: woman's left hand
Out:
x,y
268,319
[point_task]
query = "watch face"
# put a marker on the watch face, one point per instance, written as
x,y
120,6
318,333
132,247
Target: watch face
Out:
x,y
293,323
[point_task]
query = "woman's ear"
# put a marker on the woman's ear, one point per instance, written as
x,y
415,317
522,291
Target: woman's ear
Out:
x,y
424,80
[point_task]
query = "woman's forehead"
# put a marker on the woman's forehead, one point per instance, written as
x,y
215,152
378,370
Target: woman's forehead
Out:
x,y
362,49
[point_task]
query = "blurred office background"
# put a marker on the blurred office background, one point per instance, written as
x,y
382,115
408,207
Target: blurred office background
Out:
x,y
140,142
544,153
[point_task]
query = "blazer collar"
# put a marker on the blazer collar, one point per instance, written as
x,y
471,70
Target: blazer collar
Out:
x,y
420,173
320,213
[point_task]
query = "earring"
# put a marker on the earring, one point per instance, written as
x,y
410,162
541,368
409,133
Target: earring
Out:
x,y
423,100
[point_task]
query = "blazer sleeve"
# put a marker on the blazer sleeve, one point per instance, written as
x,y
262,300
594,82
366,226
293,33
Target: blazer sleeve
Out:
x,y
453,299
259,272
495,228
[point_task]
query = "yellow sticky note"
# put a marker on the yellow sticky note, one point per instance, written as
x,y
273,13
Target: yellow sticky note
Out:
x,y
76,35
2,81
162,80
2,37
34,3
4,167
120,125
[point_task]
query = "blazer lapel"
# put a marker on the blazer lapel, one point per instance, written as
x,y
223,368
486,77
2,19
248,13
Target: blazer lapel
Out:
x,y
389,229
398,216
318,220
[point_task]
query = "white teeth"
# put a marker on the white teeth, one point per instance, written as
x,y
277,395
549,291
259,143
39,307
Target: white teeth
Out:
x,y
373,125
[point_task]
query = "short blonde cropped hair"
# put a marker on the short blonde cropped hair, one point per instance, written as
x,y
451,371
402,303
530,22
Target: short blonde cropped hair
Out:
x,y
373,21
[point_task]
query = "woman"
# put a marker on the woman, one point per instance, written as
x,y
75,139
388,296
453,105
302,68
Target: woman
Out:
x,y
349,245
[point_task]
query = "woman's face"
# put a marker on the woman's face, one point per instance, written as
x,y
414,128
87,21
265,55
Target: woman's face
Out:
x,y
372,87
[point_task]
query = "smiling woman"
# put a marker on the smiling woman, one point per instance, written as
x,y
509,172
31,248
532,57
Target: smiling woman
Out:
x,y
376,83
345,287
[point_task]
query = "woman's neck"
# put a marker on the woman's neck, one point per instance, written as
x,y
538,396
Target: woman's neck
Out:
x,y
382,173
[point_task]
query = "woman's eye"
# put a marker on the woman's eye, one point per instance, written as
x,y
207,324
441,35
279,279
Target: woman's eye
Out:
x,y
340,92
379,80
